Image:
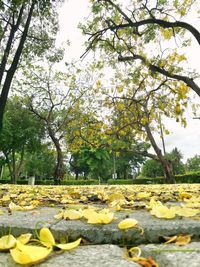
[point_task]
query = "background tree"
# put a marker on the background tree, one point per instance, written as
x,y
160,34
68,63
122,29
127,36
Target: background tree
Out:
x,y
193,164
53,96
40,163
140,31
22,134
136,102
28,28
175,157
152,168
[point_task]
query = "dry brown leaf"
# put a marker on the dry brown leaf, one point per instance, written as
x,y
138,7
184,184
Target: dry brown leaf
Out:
x,y
145,262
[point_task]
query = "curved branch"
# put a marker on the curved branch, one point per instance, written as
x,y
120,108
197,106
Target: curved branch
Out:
x,y
153,20
188,81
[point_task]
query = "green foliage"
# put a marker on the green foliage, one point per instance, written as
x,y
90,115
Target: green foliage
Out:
x,y
152,168
193,164
79,182
193,177
40,163
22,133
94,161
136,181
51,182
175,157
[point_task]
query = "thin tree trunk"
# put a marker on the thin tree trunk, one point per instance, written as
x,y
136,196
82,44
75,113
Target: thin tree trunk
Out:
x,y
58,174
8,164
14,174
166,164
21,161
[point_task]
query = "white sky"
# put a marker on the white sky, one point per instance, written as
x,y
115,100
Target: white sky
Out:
x,y
186,139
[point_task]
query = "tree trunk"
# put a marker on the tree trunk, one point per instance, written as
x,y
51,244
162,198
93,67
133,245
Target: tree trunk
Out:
x,y
166,164
76,175
59,170
13,67
14,169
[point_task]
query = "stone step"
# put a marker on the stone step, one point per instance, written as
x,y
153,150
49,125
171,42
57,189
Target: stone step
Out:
x,y
22,222
114,256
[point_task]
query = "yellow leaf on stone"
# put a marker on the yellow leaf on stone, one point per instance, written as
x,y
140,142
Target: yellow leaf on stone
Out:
x,y
30,207
59,216
101,218
180,240
162,211
5,198
25,254
135,251
171,239
12,206
143,195
46,238
153,202
7,242
184,195
70,245
104,211
87,213
183,240
1,212
185,212
94,218
25,238
116,196
127,223
72,214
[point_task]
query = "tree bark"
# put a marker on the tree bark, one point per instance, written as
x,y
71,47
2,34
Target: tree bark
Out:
x,y
59,170
13,30
13,67
166,164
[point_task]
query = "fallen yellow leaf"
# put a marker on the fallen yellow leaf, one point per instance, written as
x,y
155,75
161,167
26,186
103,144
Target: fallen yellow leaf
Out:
x,y
46,237
7,242
72,214
25,254
127,223
101,218
183,240
185,211
70,245
161,211
25,238
143,195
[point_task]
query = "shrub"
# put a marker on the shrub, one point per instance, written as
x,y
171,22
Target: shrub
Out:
x,y
192,177
80,182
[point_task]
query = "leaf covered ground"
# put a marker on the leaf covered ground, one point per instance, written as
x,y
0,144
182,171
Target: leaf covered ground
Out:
x,y
95,205
160,200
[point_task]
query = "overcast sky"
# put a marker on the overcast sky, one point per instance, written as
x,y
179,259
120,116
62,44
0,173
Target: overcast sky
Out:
x,y
186,139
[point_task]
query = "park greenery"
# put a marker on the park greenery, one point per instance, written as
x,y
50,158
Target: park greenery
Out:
x,y
95,120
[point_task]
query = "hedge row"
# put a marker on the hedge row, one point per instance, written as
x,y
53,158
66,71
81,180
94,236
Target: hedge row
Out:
x,y
193,177
51,182
137,181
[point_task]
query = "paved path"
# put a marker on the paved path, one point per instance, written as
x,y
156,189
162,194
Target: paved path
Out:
x,y
104,244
